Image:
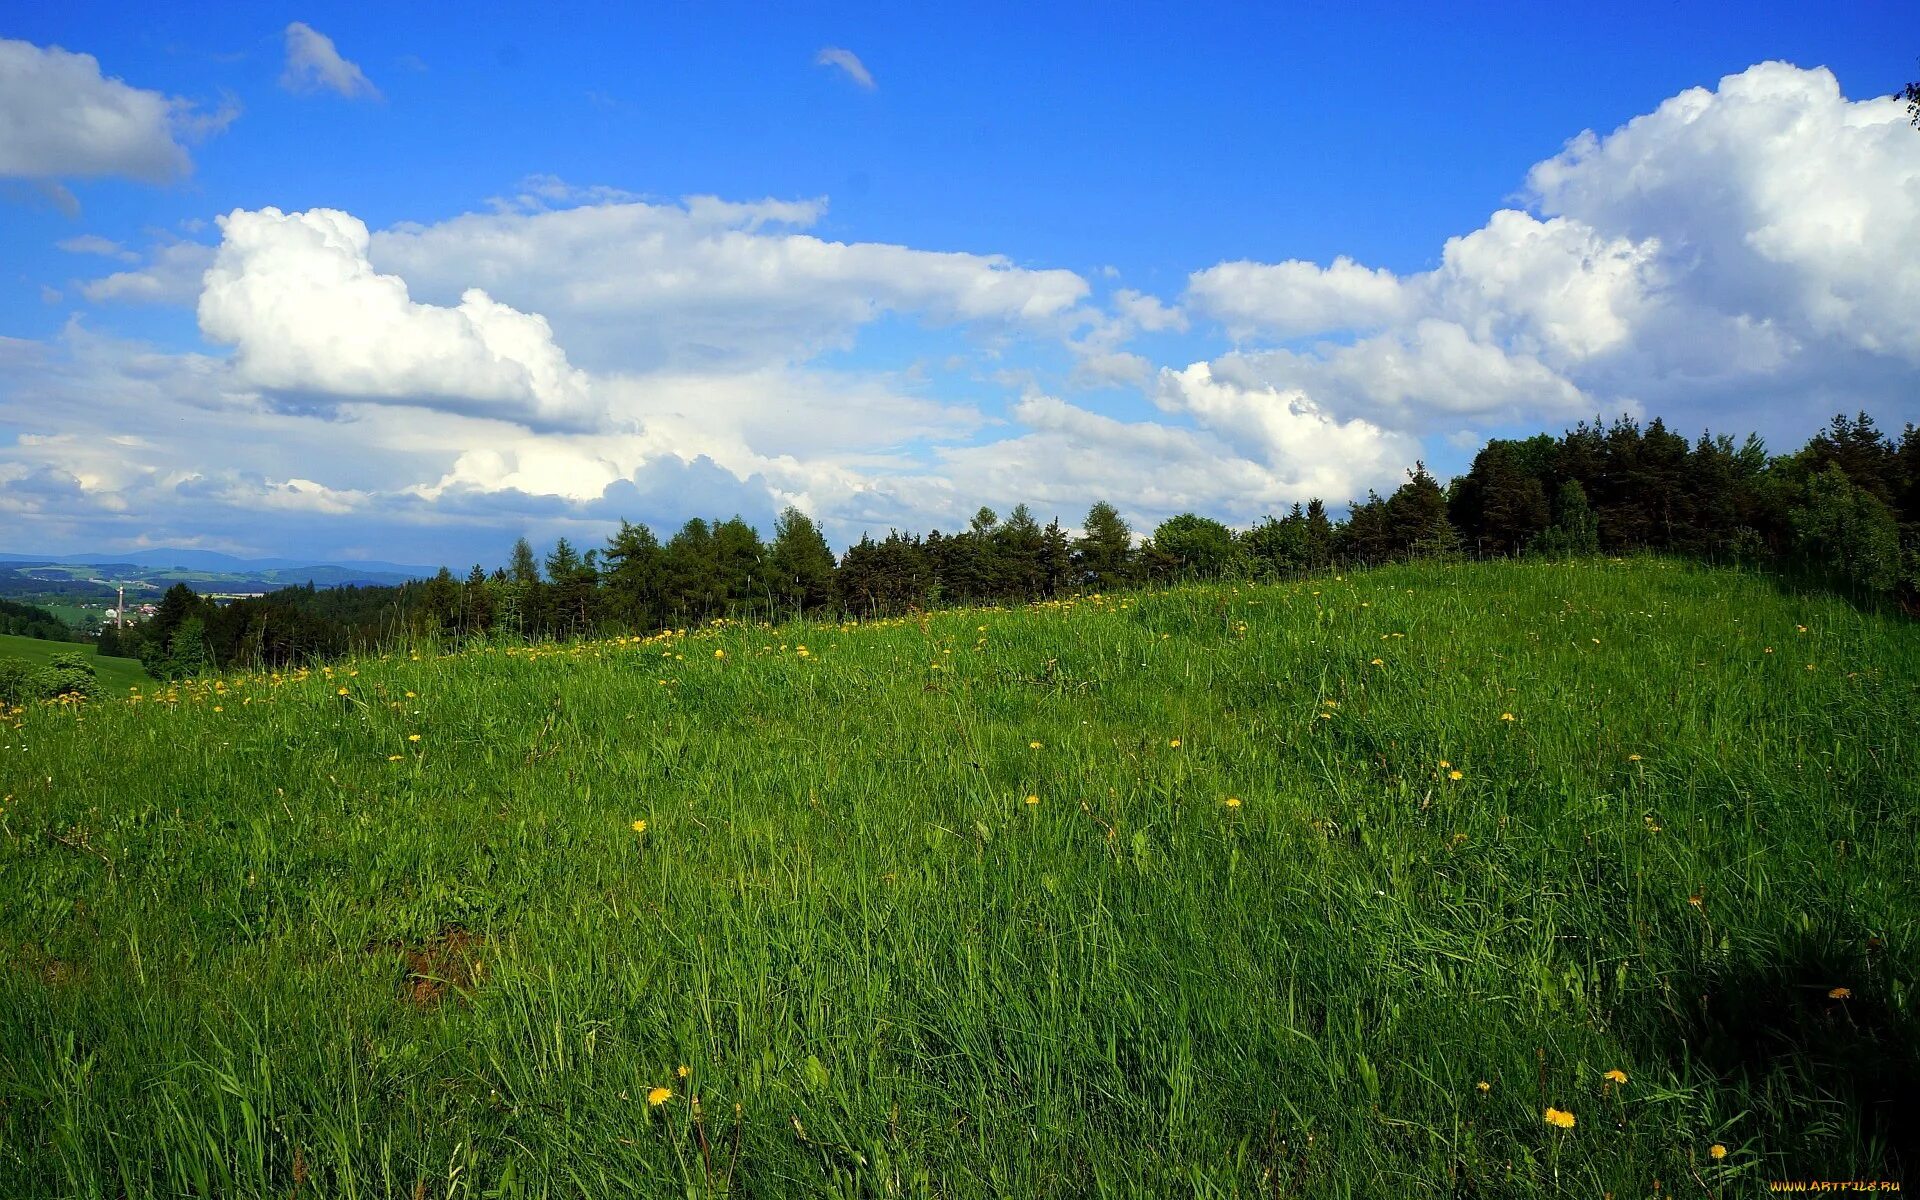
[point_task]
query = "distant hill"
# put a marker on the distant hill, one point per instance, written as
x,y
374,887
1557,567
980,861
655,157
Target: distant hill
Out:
x,y
281,571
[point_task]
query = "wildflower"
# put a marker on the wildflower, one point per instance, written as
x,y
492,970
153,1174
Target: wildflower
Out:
x,y
1444,764
1033,745
683,1070
1378,662
218,708
1616,1075
1484,1086
341,692
1559,1119
413,737
1716,1152
1840,993
639,826
658,1096
719,653
1233,802
1506,716
1633,758
395,757
1456,776
1696,901
1174,742
1033,799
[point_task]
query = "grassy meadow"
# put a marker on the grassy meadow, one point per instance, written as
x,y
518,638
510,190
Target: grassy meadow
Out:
x,y
116,675
1331,888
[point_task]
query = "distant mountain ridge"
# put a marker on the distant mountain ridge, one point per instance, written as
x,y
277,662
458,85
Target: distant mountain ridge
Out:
x,y
227,564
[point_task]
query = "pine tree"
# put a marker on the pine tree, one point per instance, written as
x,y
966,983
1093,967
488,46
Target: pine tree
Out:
x,y
633,577
1103,553
800,563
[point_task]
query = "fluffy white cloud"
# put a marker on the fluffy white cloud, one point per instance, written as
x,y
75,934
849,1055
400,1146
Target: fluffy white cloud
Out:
x,y
1775,197
60,118
847,61
1296,297
1760,241
314,64
308,316
709,283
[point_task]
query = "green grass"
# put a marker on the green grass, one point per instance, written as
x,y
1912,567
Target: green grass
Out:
x,y
116,675
256,942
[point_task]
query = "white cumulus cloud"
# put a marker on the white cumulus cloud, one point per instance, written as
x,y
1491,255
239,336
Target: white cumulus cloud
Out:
x,y
1757,244
307,315
61,118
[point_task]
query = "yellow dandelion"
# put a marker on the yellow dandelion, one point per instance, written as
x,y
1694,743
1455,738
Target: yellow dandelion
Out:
x,y
1174,742
1377,662
341,692
1484,1086
395,757
1233,802
1506,716
658,1096
1616,1075
219,708
1633,758
1033,745
1456,776
1033,799
683,1070
1559,1119
719,653
1840,993
1697,901
639,826
1444,764
1716,1152
413,737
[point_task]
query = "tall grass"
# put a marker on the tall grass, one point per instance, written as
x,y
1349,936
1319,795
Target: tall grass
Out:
x,y
964,905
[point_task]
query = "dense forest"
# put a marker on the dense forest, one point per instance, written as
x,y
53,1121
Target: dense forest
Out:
x,y
1844,509
24,620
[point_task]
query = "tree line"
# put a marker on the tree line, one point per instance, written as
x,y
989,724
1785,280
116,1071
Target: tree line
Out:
x,y
1844,508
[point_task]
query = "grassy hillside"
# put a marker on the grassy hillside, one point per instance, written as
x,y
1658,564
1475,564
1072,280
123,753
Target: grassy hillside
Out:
x,y
117,675
1323,889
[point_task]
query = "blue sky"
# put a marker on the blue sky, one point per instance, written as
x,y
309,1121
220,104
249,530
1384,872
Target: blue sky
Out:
x,y
1046,256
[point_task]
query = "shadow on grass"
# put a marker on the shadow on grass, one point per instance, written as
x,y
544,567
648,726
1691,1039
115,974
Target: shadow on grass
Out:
x,y
1816,1022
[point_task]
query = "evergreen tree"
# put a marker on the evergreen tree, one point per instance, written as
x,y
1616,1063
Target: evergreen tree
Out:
x,y
1319,536
573,582
633,577
1056,560
739,568
690,574
1103,553
523,568
1417,517
799,563
1367,537
1018,556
